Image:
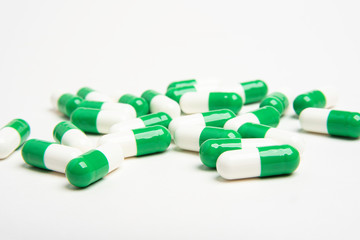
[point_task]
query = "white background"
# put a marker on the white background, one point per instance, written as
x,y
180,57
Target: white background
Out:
x,y
130,46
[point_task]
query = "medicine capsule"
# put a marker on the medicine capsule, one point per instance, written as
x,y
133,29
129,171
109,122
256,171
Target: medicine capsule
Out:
x,y
265,115
149,120
216,118
48,155
258,162
211,149
183,83
253,130
92,95
191,137
161,103
65,103
12,136
196,102
333,122
97,121
94,165
140,104
277,100
121,107
142,141
68,134
324,98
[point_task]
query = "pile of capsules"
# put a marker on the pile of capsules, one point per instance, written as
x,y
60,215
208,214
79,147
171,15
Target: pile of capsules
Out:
x,y
238,146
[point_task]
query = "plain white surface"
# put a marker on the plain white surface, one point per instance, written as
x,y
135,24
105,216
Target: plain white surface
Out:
x,y
131,46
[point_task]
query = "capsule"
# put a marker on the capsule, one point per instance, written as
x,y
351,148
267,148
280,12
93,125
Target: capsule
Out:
x,y
216,118
265,115
182,83
191,137
93,95
197,102
65,103
12,136
142,141
94,165
149,120
48,155
95,120
277,100
258,162
211,149
324,98
332,122
140,104
253,130
121,107
68,134
161,103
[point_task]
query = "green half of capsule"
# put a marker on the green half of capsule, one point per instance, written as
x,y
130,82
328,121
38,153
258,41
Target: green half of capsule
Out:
x,y
216,133
343,123
148,95
159,118
33,152
61,128
85,119
91,104
253,130
217,118
254,90
183,83
83,92
140,104
225,100
22,127
176,93
314,99
68,102
276,100
267,116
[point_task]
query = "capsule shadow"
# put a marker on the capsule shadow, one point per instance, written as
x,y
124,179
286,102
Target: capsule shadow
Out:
x,y
59,114
223,180
177,149
202,167
69,186
40,170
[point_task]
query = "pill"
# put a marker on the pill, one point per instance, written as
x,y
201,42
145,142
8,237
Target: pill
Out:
x,y
216,118
97,121
265,115
93,95
149,120
68,134
141,141
182,83
94,165
177,93
140,104
161,103
211,149
191,137
324,98
253,130
12,136
65,103
121,107
277,100
48,155
197,102
333,122
258,162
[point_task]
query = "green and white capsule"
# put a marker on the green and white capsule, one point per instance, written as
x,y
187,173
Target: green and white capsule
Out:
x,y
140,105
182,83
277,100
149,120
197,102
324,98
333,122
216,118
191,137
68,134
48,155
258,162
211,149
123,108
65,103
142,141
93,95
97,121
253,130
12,136
265,115
94,165
161,103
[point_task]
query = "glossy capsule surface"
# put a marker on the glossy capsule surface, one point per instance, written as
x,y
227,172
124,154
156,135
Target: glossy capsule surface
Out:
x,y
161,103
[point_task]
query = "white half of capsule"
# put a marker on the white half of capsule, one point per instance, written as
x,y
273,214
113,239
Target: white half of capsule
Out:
x,y
193,119
124,140
77,139
331,96
57,156
127,125
314,119
161,103
286,137
258,142
194,102
187,137
97,96
113,153
107,118
236,122
121,107
9,141
237,164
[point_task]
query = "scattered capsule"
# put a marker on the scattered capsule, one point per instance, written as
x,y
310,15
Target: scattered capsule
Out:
x,y
140,104
177,93
216,118
197,102
94,165
121,107
65,103
92,95
12,136
333,122
48,155
258,162
97,121
149,120
324,98
253,130
191,137
142,141
183,83
161,103
265,115
277,100
68,134
211,149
